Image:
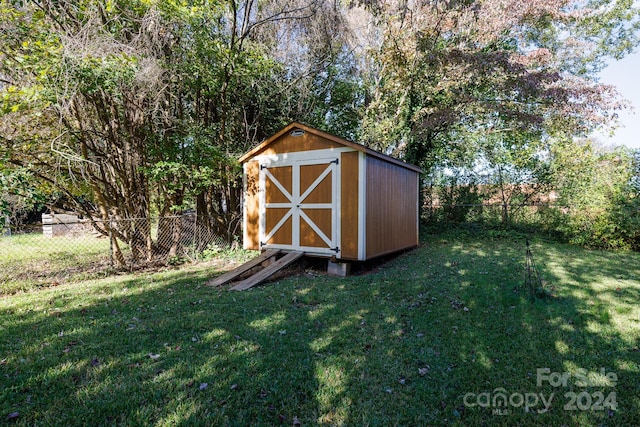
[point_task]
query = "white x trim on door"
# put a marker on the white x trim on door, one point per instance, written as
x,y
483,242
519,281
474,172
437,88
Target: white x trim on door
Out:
x,y
296,205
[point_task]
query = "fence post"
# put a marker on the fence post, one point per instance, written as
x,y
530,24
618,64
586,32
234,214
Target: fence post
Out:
x,y
196,237
7,225
111,242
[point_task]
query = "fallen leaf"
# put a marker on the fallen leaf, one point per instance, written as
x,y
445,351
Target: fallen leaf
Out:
x,y
13,415
95,362
203,386
234,386
456,304
423,371
154,356
296,421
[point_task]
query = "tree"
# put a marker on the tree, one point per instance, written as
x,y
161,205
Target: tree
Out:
x,y
18,196
129,106
452,69
598,190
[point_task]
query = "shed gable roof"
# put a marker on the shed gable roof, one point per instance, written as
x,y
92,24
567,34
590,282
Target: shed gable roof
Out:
x,y
295,125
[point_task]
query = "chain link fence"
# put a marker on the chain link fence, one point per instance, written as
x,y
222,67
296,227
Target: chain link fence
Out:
x,y
504,214
460,199
64,247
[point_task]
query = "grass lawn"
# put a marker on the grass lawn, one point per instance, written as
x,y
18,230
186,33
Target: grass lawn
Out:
x,y
32,261
438,336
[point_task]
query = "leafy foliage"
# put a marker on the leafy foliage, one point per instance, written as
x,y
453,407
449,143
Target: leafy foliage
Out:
x,y
18,196
148,105
599,188
451,70
129,107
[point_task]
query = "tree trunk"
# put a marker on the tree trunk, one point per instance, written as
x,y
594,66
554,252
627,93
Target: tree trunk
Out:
x,y
503,198
170,227
116,251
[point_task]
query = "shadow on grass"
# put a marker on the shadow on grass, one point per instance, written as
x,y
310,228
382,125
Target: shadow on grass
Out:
x,y
420,341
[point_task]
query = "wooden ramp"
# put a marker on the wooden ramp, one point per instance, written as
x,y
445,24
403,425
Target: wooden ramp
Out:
x,y
268,271
229,276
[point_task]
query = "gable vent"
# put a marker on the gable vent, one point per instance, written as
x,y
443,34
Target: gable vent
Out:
x,y
297,132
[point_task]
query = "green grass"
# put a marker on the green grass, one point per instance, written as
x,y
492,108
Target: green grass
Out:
x,y
32,261
401,345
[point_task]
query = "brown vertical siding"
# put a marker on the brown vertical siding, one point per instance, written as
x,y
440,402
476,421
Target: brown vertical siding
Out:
x,y
349,206
252,206
322,219
284,176
289,144
308,175
392,198
284,234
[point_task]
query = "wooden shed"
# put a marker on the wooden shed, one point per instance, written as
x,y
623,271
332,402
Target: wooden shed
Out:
x,y
309,191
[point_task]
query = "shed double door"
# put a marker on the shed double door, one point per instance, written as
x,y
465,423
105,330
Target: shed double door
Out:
x,y
299,204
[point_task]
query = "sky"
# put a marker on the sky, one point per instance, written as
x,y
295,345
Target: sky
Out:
x,y
625,76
